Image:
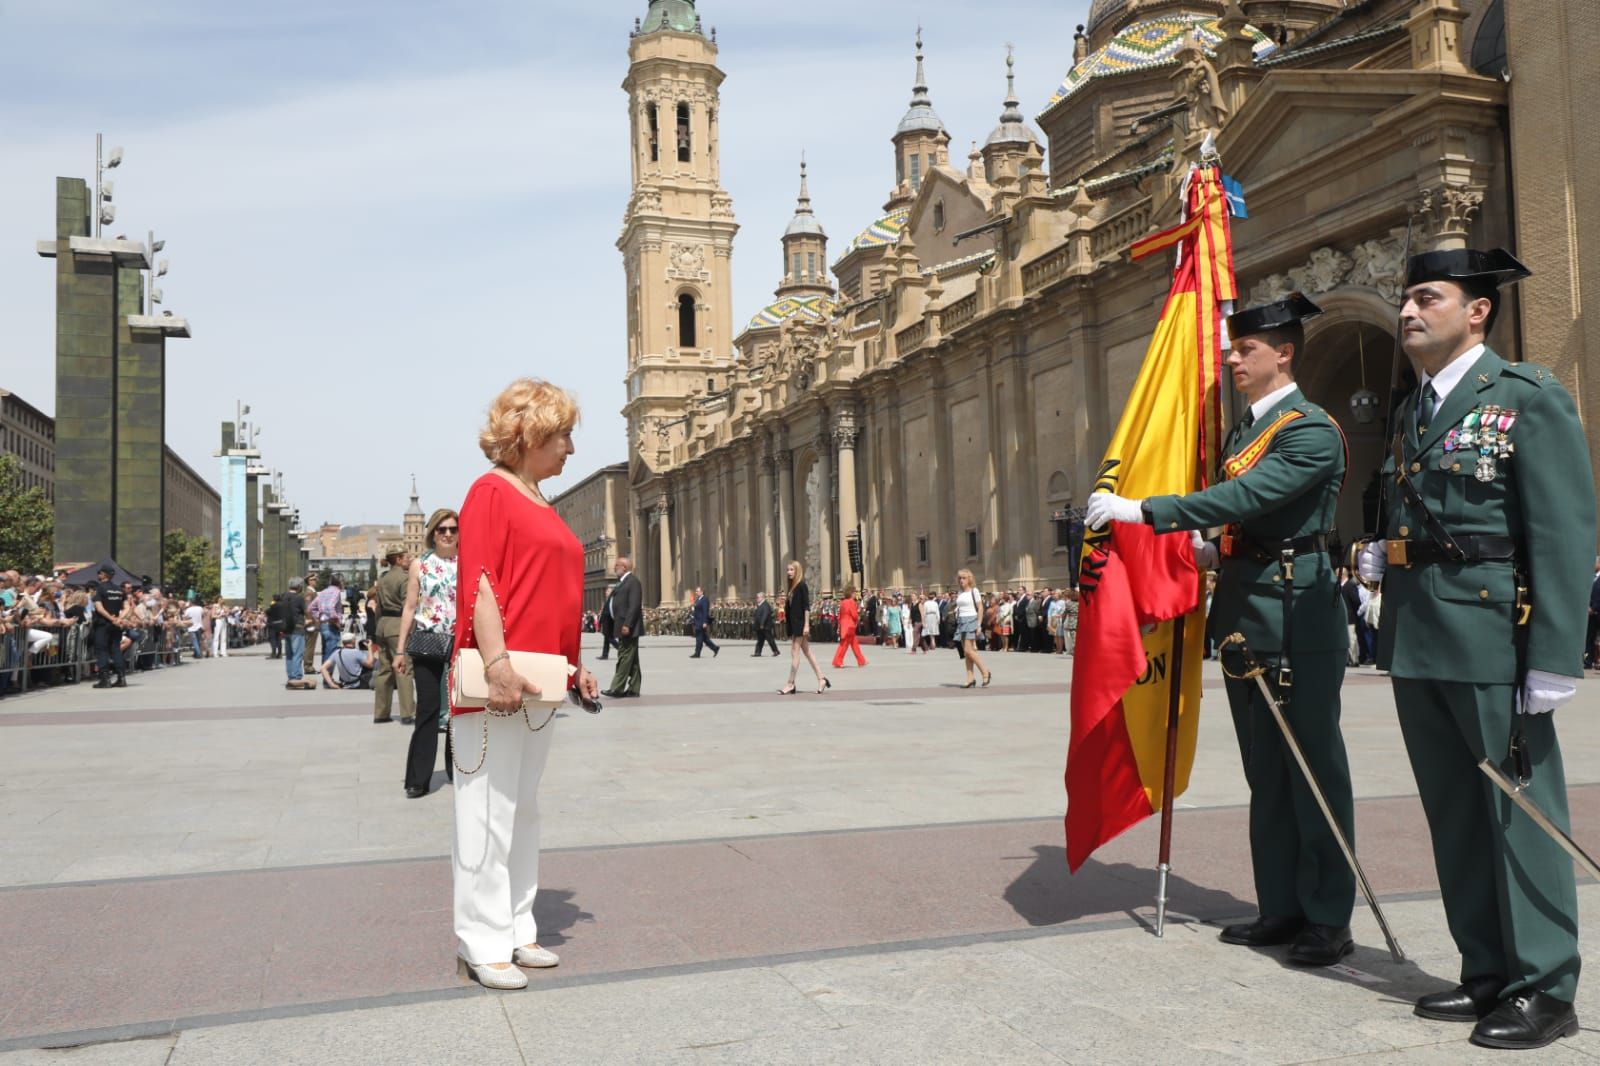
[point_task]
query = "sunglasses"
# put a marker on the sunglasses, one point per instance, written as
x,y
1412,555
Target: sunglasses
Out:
x,y
448,529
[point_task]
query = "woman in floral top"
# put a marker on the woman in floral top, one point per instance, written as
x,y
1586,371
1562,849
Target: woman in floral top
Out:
x,y
429,613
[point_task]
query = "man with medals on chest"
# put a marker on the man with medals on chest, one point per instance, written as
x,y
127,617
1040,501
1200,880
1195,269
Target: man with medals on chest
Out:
x,y
1283,468
1490,534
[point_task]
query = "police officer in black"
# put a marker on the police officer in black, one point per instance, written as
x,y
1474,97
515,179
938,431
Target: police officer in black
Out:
x,y
109,603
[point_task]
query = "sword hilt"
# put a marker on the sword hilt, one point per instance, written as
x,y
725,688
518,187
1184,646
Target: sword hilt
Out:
x,y
1252,668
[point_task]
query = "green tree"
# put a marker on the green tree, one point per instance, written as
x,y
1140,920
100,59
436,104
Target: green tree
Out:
x,y
27,522
191,563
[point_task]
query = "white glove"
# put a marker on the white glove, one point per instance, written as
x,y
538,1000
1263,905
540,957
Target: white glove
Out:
x,y
1105,507
1205,552
1543,692
1373,561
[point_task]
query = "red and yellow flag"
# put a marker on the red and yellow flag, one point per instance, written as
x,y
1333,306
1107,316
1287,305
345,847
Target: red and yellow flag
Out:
x,y
1134,582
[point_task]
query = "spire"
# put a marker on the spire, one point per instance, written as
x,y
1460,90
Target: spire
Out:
x,y
804,222
1013,111
920,116
1013,128
919,91
416,506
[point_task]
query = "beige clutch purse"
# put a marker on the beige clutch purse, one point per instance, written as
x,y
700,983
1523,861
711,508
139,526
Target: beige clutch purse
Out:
x,y
470,688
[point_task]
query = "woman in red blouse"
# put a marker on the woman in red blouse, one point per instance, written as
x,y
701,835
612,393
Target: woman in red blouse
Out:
x,y
519,587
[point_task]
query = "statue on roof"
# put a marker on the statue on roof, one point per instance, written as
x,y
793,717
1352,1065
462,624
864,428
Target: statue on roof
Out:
x,y
1200,88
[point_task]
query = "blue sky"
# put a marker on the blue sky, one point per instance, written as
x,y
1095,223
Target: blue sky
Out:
x,y
379,213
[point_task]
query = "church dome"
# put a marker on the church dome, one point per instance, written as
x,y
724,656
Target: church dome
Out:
x,y
885,230
1101,10
1013,128
678,15
804,225
816,308
920,117
1153,42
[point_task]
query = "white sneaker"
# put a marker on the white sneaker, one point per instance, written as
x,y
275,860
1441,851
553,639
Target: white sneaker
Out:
x,y
490,977
536,958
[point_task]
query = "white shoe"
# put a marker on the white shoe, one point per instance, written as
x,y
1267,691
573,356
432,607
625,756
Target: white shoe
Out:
x,y
489,977
536,957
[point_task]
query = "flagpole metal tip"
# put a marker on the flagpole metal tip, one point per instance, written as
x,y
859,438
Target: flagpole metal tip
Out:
x,y
1161,898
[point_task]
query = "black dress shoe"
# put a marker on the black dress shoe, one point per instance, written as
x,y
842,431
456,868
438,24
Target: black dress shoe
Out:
x,y
1527,1020
609,694
715,652
1466,1002
1262,932
1321,945
415,793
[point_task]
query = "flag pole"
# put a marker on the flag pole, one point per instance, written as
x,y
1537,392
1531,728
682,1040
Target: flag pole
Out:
x,y
1169,779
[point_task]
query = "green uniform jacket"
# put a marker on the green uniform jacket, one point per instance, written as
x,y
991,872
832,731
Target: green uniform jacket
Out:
x,y
1456,622
1292,491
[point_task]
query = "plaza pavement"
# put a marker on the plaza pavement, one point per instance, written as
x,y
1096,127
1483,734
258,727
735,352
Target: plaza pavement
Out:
x,y
207,868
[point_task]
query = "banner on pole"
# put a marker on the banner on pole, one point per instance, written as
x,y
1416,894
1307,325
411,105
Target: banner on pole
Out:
x,y
235,523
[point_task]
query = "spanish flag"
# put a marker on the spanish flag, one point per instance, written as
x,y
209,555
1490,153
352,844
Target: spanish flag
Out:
x,y
1134,582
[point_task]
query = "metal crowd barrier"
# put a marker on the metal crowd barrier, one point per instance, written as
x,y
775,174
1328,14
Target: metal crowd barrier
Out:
x,y
65,659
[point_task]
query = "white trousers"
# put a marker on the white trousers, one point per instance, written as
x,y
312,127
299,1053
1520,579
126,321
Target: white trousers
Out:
x,y
39,640
495,851
219,637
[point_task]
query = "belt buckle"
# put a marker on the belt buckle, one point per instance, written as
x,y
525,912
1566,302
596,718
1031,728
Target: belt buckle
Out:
x,y
1398,552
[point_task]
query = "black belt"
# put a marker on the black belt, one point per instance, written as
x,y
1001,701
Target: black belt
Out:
x,y
390,614
1473,549
1270,551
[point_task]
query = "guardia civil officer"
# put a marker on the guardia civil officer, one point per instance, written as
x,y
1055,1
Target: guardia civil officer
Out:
x,y
1490,493
1282,471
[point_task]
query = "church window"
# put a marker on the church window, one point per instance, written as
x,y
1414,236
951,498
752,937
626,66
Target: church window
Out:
x,y
683,133
811,266
916,171
972,542
794,269
686,337
655,133
711,385
899,169
938,216
922,549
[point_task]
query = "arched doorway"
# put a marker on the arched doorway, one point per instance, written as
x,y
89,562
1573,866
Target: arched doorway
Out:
x,y
1350,349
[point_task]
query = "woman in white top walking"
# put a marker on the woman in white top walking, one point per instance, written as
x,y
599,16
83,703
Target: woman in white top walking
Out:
x,y
969,608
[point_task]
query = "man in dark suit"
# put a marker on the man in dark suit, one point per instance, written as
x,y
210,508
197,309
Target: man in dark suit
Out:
x,y
627,611
869,615
1019,622
608,625
702,624
764,622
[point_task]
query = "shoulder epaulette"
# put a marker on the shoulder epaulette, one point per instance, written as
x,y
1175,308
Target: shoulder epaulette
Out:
x,y
1533,373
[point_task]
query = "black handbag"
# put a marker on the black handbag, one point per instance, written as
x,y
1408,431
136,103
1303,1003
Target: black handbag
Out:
x,y
430,644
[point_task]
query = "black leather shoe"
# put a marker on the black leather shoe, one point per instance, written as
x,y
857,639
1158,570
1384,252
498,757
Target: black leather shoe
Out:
x,y
715,652
415,793
1321,945
1262,932
1525,1021
625,696
1466,1002
610,694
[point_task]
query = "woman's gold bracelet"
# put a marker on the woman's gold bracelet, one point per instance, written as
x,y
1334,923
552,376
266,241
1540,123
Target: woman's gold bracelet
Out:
x,y
497,658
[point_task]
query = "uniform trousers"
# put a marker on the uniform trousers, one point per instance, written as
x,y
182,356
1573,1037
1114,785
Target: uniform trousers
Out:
x,y
628,678
1509,892
308,653
1299,870
495,849
386,680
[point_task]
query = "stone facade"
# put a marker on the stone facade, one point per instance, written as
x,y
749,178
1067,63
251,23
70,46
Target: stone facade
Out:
x,y
954,401
596,510
29,435
413,524
191,504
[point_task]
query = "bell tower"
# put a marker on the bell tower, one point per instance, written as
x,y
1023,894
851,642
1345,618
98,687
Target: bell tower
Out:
x,y
677,232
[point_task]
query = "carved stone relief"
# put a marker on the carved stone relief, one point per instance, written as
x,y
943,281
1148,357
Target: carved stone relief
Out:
x,y
1374,264
687,262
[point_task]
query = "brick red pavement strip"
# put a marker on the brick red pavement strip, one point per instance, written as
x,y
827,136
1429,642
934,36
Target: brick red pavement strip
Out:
x,y
112,716
211,947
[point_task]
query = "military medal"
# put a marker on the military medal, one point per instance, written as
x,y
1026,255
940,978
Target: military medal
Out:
x,y
1450,439
1486,439
1484,471
1468,424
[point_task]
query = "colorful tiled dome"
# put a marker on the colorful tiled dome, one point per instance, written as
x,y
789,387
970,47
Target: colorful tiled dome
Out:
x,y
1154,42
820,308
884,231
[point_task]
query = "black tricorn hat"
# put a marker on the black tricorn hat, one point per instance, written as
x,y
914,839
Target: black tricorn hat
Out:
x,y
1467,267
1286,312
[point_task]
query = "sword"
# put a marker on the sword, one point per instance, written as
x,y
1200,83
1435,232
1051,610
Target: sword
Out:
x,y
1254,670
1514,789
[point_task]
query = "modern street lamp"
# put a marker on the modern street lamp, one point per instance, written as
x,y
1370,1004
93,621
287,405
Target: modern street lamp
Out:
x,y
155,270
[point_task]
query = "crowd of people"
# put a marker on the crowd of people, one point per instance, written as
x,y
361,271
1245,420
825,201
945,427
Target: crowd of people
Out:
x,y
60,629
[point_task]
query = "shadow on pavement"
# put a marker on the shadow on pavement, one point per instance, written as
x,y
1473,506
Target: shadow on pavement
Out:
x,y
1047,894
555,913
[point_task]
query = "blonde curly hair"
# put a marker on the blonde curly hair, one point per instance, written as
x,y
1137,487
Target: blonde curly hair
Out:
x,y
526,414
